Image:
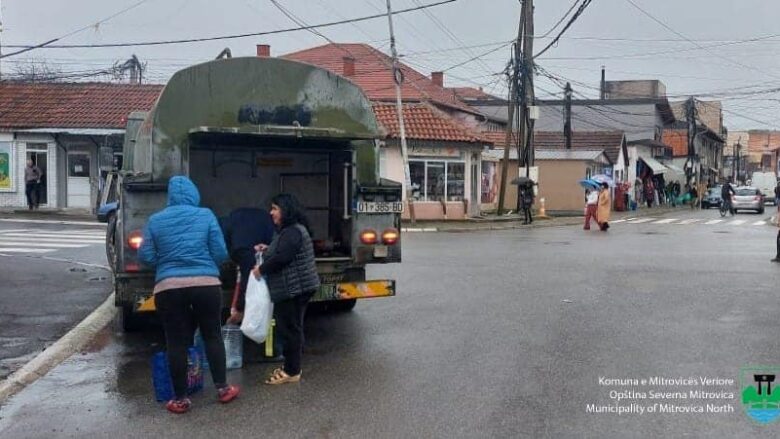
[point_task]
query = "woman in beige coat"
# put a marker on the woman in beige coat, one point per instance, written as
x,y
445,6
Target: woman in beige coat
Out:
x,y
604,206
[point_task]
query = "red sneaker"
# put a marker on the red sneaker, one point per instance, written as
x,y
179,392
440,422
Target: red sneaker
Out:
x,y
228,393
179,406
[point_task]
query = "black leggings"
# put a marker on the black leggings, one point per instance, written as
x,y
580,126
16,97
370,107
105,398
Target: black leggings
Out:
x,y
289,324
180,311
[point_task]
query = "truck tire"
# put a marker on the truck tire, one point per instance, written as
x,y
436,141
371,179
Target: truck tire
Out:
x,y
111,241
131,322
344,305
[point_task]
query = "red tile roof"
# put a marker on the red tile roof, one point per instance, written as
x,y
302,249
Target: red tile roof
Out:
x,y
374,75
678,140
72,105
609,141
423,122
472,93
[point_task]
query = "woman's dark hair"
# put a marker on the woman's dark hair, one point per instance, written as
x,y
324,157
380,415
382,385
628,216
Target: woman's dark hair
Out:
x,y
292,210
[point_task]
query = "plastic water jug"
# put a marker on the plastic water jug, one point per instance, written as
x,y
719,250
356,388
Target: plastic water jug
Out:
x,y
234,346
200,346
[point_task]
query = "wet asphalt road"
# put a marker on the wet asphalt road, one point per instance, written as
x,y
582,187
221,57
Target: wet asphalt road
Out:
x,y
493,334
43,293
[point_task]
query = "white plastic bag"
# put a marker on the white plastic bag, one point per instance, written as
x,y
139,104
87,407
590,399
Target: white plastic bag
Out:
x,y
258,310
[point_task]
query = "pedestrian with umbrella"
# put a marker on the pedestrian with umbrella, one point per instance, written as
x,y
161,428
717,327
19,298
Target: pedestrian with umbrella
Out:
x,y
604,207
591,200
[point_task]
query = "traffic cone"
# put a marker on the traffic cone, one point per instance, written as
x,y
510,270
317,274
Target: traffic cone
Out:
x,y
542,212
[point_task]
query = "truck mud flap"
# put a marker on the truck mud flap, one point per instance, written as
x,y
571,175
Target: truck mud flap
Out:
x,y
355,290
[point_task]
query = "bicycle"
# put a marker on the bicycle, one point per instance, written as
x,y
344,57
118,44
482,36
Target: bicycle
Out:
x,y
725,207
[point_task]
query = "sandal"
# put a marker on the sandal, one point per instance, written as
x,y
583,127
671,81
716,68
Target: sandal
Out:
x,y
279,376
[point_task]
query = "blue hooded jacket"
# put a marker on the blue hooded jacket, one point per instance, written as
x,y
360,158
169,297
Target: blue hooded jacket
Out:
x,y
183,240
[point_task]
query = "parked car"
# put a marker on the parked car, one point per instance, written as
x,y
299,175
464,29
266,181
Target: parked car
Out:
x,y
712,198
748,198
106,211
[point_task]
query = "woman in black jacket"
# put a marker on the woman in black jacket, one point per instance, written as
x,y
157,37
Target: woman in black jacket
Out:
x,y
291,273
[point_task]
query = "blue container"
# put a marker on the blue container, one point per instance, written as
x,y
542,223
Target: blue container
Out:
x,y
201,348
161,375
234,346
161,378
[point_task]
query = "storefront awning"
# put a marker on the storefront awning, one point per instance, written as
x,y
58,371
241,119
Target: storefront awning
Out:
x,y
675,168
654,165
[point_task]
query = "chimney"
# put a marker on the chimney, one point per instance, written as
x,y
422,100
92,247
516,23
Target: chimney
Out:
x,y
349,66
438,78
264,50
603,88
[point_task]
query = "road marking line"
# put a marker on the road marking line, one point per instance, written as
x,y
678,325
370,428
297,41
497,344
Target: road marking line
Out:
x,y
51,236
32,221
711,222
25,250
688,221
41,244
666,221
642,220
629,219
759,223
14,230
618,221
737,222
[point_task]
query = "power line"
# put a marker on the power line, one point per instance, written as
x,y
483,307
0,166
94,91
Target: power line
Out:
x,y
571,21
229,37
93,25
670,29
555,26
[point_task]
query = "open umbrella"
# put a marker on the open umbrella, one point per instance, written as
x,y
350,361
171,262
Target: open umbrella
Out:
x,y
589,184
603,178
523,181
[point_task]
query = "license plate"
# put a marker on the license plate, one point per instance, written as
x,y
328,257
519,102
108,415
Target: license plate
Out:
x,y
379,207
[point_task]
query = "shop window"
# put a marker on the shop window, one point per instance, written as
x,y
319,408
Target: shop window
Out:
x,y
435,181
456,181
438,180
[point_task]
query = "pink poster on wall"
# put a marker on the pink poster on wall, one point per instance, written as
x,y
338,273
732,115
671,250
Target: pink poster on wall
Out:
x,y
489,182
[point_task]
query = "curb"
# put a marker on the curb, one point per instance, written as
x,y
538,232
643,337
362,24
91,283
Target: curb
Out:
x,y
75,340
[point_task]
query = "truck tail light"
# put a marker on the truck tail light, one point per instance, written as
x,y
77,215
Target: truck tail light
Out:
x,y
368,237
390,236
135,239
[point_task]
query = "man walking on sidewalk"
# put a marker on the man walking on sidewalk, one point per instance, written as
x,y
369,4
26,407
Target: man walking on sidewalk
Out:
x,y
32,178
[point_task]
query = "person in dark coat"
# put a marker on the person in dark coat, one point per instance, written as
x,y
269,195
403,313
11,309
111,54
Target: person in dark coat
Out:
x,y
292,278
245,228
526,203
185,246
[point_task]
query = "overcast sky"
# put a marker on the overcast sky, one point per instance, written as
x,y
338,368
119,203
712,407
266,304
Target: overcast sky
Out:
x,y
718,62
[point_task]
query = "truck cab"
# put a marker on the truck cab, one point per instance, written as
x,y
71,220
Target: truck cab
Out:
x,y
244,130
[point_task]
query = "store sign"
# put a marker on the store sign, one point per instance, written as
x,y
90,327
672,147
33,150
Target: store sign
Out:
x,y
6,167
435,151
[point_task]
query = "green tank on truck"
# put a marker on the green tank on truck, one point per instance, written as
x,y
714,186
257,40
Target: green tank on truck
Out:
x,y
245,129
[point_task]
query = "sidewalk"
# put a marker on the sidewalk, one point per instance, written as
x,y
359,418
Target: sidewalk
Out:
x,y
49,214
513,221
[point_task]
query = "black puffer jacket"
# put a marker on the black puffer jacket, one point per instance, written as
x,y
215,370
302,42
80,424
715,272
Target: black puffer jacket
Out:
x,y
289,264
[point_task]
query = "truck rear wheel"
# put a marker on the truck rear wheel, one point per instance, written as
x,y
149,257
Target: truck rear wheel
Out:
x,y
131,321
111,241
344,305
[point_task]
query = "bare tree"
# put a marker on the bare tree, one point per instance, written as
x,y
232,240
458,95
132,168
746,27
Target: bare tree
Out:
x,y
36,71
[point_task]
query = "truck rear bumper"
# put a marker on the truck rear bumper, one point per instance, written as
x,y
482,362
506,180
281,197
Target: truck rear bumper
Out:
x,y
135,292
355,290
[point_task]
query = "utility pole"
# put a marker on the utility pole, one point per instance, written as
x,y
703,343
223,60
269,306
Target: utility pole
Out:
x,y
510,126
527,98
567,116
737,148
690,114
398,79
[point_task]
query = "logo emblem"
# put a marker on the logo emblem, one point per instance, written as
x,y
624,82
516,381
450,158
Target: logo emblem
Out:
x,y
761,393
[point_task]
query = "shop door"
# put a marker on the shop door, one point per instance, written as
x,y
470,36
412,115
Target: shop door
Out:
x,y
40,159
79,189
475,187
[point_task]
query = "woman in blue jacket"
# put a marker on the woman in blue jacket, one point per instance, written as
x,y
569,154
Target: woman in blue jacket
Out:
x,y
184,243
